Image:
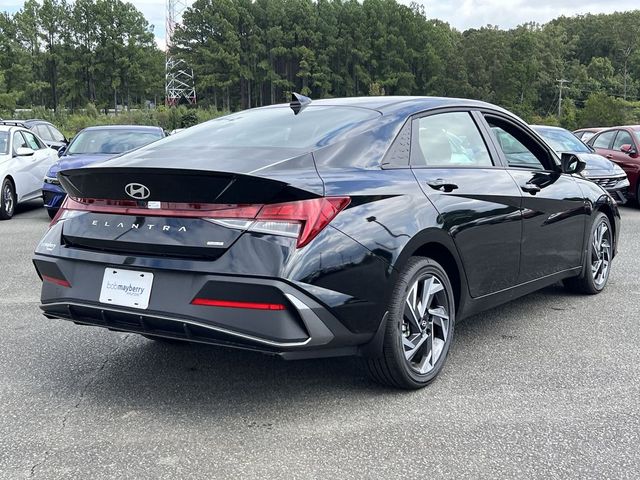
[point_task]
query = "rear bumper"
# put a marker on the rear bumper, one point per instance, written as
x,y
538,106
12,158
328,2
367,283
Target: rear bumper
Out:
x,y
304,329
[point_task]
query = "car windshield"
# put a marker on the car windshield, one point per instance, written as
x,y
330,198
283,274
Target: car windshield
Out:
x,y
562,141
110,141
4,143
273,127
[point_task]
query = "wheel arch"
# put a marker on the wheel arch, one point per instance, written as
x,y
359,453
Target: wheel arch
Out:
x,y
612,213
439,246
13,182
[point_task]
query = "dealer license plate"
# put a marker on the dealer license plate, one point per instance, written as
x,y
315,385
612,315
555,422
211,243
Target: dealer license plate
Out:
x,y
126,288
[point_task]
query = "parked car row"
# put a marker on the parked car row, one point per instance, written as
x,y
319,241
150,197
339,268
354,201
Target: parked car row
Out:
x,y
599,169
621,145
33,151
94,144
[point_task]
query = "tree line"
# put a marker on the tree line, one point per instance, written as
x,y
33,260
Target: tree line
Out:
x,y
60,53
248,53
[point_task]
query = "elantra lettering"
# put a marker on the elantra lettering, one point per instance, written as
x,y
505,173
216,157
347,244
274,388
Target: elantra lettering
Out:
x,y
165,228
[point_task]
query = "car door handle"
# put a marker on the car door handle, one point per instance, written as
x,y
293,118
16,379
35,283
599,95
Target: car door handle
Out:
x,y
442,185
609,156
531,188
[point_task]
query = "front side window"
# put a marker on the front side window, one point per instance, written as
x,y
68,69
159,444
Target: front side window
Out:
x,y
623,138
448,140
603,140
18,142
520,149
32,142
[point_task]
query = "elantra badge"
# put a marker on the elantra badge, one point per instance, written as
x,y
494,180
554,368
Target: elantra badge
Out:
x,y
137,191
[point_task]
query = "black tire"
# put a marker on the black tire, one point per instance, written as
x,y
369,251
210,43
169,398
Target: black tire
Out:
x,y
392,368
590,282
7,200
52,212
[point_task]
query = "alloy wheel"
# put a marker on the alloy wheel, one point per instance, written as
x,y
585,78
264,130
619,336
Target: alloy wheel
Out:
x,y
7,199
600,253
425,324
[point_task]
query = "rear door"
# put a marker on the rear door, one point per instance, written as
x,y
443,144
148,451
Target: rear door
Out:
x,y
478,201
553,207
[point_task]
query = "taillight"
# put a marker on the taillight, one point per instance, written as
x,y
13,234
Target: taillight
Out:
x,y
310,216
303,219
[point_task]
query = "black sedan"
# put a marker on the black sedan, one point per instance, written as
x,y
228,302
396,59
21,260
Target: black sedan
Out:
x,y
599,169
361,226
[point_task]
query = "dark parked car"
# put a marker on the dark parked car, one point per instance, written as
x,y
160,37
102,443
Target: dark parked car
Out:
x,y
51,136
361,226
94,144
620,145
599,169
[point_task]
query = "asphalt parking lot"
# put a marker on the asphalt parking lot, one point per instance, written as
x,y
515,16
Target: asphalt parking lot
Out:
x,y
544,387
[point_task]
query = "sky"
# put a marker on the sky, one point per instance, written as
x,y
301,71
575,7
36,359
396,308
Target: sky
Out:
x,y
461,14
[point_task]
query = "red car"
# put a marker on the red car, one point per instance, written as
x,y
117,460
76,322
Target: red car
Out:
x,y
621,146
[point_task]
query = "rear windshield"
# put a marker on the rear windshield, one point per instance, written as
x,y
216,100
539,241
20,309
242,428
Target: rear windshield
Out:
x,y
274,127
110,141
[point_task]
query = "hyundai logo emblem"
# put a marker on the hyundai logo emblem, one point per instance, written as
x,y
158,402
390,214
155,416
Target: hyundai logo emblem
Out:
x,y
137,191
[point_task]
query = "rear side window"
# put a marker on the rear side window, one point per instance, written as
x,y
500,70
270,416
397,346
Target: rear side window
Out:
x,y
623,138
603,140
448,140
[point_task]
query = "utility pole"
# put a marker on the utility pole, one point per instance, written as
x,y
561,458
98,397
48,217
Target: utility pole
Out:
x,y
626,52
561,83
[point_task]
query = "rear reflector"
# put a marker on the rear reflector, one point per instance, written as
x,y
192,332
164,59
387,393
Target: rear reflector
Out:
x,y
230,304
57,281
303,219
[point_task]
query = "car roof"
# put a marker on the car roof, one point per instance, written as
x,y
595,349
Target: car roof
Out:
x,y
8,128
123,127
548,127
591,129
408,104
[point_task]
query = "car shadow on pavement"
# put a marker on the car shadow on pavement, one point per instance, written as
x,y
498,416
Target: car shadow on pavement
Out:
x,y
137,373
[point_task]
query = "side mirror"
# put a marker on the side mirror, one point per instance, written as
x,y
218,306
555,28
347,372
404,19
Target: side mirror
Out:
x,y
628,149
24,152
61,150
571,163
593,150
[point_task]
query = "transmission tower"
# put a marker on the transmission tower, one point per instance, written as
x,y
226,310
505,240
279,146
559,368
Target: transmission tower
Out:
x,y
179,81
